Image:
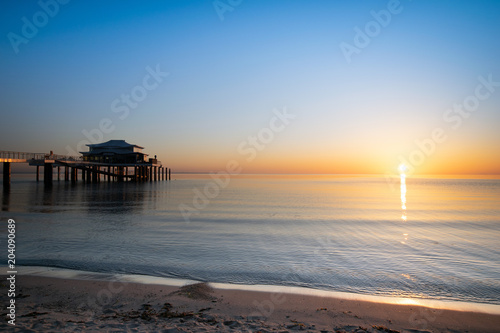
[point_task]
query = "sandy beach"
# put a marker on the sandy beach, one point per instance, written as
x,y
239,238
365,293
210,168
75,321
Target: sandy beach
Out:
x,y
47,304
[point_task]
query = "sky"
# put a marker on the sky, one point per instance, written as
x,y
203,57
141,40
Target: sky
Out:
x,y
317,86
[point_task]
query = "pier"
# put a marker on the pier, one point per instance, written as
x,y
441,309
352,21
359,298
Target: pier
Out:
x,y
101,163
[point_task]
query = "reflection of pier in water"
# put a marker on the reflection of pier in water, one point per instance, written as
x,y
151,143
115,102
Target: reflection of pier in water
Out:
x,y
114,160
67,198
5,198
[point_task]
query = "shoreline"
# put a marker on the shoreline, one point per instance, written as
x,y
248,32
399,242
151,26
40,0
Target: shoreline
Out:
x,y
61,303
176,282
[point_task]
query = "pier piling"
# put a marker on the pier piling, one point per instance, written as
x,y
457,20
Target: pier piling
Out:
x,y
74,175
47,173
120,174
6,174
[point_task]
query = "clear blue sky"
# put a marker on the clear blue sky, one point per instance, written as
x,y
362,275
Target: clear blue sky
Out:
x,y
226,77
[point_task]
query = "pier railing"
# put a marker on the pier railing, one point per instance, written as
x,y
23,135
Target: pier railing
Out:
x,y
21,156
37,156
63,157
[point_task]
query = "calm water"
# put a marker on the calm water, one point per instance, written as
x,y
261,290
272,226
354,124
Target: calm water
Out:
x,y
428,238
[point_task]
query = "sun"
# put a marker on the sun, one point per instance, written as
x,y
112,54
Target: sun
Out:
x,y
402,168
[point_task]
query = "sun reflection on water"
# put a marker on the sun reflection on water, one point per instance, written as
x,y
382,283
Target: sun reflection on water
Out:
x,y
402,169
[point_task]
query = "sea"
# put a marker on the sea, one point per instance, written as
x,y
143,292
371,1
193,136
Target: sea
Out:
x,y
418,239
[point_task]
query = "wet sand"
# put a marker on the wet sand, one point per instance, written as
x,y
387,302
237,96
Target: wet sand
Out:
x,y
47,304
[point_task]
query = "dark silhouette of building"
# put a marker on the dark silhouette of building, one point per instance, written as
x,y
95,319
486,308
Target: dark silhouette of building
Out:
x,y
115,151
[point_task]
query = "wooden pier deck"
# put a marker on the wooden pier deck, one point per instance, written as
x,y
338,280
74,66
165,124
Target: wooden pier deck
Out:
x,y
89,172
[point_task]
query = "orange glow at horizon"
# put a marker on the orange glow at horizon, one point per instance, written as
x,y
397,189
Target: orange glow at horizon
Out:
x,y
280,158
286,164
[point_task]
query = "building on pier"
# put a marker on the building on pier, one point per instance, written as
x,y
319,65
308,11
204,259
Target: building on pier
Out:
x,y
114,151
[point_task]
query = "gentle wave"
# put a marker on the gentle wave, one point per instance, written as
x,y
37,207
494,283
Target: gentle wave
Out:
x,y
146,279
